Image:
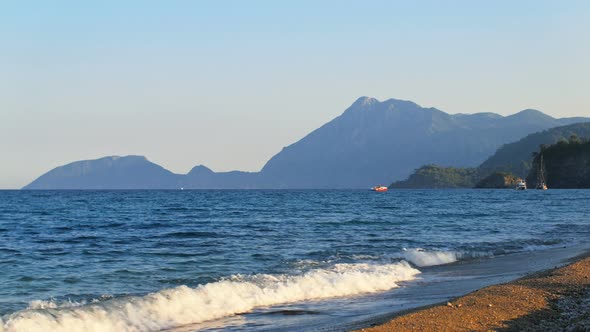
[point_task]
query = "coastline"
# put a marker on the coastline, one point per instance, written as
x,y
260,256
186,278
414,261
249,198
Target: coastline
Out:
x,y
554,299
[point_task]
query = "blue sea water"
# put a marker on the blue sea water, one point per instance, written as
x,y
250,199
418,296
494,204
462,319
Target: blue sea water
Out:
x,y
156,260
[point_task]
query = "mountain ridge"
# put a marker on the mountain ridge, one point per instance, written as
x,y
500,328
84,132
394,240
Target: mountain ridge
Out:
x,y
510,162
371,142
509,157
111,172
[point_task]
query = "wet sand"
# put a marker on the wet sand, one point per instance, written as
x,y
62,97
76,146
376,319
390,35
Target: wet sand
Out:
x,y
553,300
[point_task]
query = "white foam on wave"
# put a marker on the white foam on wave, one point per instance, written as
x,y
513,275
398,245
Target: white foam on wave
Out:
x,y
421,257
51,304
183,305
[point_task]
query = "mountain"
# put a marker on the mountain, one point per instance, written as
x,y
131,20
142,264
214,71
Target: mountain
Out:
x,y
201,177
565,164
131,172
136,172
516,157
372,142
502,170
376,142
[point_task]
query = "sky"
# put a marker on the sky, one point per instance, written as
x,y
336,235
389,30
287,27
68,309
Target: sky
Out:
x,y
227,84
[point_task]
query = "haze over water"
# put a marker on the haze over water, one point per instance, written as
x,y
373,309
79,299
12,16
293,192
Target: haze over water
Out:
x,y
150,260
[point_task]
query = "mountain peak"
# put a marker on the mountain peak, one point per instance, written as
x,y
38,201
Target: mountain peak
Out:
x,y
125,158
529,112
365,101
370,103
200,169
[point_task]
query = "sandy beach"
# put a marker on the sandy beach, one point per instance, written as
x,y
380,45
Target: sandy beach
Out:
x,y
553,300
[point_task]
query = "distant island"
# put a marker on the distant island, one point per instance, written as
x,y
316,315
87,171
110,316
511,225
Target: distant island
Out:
x,y
372,142
564,162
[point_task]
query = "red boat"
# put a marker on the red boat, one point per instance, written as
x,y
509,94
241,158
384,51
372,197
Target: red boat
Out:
x,y
379,188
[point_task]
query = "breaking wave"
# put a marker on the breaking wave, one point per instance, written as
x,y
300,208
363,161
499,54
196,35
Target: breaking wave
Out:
x,y
183,305
421,257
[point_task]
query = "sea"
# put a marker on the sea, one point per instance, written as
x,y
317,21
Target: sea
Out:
x,y
267,260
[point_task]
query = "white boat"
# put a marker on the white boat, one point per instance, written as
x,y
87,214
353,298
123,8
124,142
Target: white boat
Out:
x,y
521,185
541,184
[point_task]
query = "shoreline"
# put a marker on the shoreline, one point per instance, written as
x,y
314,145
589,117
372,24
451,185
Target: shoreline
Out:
x,y
553,299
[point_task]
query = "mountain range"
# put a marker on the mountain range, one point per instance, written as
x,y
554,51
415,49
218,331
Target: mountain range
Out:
x,y
510,163
371,142
516,157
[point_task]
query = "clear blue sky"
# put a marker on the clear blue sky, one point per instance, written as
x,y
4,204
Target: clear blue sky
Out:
x,y
229,83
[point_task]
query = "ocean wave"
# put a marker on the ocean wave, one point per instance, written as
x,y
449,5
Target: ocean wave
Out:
x,y
421,257
183,305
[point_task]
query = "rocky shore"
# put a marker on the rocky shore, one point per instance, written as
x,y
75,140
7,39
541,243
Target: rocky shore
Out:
x,y
554,300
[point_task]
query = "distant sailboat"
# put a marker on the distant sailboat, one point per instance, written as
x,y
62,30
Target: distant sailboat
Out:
x,y
541,183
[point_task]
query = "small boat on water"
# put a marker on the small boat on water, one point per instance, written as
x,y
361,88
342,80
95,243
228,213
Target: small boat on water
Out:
x,y
541,184
380,188
521,185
